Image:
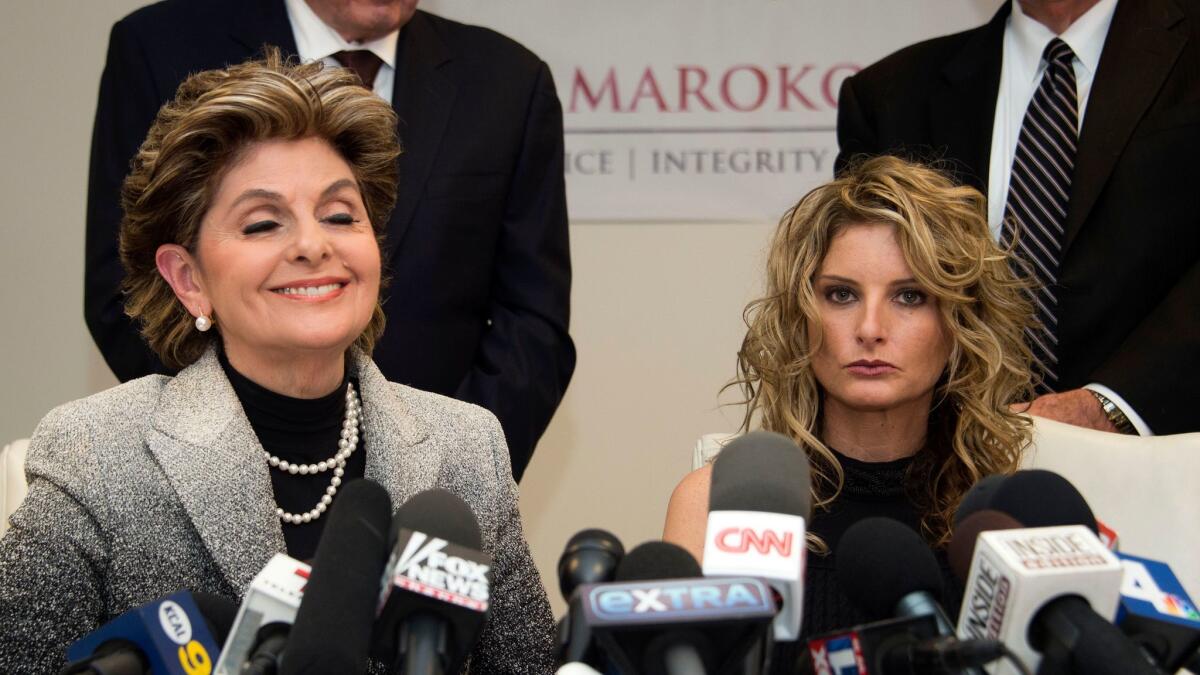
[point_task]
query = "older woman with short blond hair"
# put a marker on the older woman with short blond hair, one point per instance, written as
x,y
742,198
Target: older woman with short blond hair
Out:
x,y
253,217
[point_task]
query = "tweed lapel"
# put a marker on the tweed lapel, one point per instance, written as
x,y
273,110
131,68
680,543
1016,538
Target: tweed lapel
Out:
x,y
423,97
962,109
396,457
213,460
1143,42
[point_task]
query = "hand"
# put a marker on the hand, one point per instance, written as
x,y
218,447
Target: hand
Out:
x,y
1077,406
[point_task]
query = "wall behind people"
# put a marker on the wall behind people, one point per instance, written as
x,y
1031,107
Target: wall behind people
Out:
x,y
53,53
656,304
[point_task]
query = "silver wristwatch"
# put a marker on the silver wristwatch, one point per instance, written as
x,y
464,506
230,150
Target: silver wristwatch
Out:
x,y
1114,414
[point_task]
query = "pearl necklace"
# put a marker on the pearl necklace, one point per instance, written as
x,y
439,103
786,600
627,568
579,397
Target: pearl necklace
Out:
x,y
346,447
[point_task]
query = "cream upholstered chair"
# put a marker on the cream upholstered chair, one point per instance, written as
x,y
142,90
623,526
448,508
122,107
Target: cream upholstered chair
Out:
x,y
1146,488
12,479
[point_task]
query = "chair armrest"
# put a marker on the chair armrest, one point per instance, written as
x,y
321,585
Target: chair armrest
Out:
x,y
12,479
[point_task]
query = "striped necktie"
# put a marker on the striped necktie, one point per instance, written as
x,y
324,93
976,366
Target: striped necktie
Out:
x,y
1038,194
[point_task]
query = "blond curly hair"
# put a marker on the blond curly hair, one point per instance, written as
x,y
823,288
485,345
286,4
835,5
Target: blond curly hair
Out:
x,y
943,233
197,137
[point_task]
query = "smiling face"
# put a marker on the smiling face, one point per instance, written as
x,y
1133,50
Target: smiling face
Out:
x,y
286,259
883,344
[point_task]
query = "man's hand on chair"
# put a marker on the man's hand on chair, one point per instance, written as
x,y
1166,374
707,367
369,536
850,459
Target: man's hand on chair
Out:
x,y
1077,406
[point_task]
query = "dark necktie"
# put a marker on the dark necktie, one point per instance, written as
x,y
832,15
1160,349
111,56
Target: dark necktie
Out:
x,y
364,63
1038,194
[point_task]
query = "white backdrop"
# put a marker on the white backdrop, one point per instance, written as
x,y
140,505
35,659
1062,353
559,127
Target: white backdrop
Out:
x,y
662,267
704,110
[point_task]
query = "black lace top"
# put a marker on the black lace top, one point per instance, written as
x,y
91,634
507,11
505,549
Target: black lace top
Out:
x,y
303,431
870,489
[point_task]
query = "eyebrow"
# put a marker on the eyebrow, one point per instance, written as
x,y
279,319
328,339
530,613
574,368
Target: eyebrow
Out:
x,y
271,195
337,185
847,280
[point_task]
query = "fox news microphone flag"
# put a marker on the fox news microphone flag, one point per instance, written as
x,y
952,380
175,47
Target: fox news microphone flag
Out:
x,y
436,587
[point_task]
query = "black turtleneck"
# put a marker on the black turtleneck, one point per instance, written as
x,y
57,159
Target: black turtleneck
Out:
x,y
870,489
303,431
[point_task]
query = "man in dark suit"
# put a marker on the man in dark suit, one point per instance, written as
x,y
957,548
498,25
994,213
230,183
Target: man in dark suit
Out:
x,y
477,245
1127,282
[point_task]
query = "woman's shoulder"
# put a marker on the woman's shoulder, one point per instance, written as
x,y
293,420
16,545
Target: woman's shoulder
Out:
x,y
131,403
442,411
471,434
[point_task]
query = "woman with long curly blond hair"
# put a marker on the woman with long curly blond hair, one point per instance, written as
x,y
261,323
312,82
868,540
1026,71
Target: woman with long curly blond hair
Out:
x,y
889,345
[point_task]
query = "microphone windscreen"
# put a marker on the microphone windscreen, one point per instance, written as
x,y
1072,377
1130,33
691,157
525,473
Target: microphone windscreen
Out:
x,y
979,496
761,471
219,613
880,560
343,586
657,560
961,549
438,513
1037,498
590,557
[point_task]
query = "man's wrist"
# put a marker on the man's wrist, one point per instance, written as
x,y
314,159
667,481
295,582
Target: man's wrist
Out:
x,y
1114,413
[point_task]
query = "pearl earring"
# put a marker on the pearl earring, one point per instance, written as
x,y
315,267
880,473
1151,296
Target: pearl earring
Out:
x,y
203,323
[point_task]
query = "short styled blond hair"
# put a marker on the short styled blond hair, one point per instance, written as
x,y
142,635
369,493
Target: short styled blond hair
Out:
x,y
943,233
197,137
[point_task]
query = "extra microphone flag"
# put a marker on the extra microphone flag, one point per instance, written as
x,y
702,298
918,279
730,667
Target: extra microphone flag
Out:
x,y
725,617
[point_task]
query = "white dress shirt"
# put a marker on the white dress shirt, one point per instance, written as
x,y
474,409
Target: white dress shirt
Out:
x,y
1020,73
316,41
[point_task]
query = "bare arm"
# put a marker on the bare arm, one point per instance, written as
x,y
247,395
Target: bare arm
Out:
x,y
687,512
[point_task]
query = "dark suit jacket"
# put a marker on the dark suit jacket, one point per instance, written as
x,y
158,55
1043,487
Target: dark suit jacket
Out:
x,y
1129,302
477,245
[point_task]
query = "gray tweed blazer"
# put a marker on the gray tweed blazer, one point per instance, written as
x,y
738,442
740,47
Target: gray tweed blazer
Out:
x,y
159,485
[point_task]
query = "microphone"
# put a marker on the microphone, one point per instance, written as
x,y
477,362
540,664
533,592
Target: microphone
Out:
x,y
907,645
759,503
343,589
1035,497
168,636
1155,611
576,669
266,614
961,549
436,585
1157,614
219,613
590,557
1038,590
887,571
660,618
979,496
